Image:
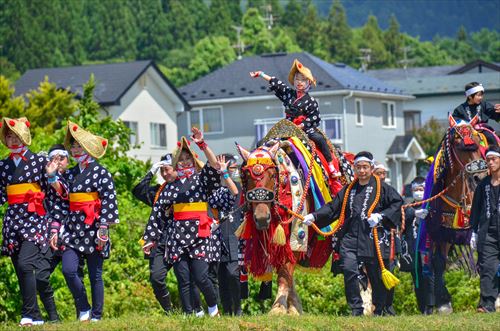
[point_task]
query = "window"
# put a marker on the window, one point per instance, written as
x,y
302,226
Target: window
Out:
x,y
412,120
262,126
358,106
209,120
332,127
133,139
158,134
388,114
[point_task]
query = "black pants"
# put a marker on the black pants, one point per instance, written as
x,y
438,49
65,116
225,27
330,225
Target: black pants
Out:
x,y
32,273
56,259
213,275
489,259
351,283
424,293
70,265
389,309
320,142
229,289
187,269
436,283
158,269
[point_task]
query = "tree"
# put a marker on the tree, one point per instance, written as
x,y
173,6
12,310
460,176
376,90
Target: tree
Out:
x,y
309,35
211,53
153,39
255,34
393,41
219,20
338,35
293,14
373,39
10,106
430,135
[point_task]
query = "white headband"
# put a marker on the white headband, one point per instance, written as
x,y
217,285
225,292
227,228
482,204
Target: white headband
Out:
x,y
492,153
361,159
380,166
415,185
474,89
58,152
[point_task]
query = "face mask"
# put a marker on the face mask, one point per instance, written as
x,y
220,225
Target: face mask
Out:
x,y
185,172
418,195
16,149
235,175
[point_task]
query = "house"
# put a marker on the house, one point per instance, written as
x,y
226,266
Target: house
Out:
x,y
438,90
134,92
358,112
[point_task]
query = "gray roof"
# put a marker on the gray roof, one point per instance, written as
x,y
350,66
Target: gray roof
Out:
x,y
448,84
423,72
399,144
234,81
112,80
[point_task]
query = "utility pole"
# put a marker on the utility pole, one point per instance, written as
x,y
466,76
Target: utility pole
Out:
x,y
405,61
240,45
270,18
365,58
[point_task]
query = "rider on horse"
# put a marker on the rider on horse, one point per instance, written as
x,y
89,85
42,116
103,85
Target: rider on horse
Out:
x,y
475,105
301,108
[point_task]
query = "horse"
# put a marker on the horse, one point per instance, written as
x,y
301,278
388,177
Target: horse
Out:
x,y
279,179
457,169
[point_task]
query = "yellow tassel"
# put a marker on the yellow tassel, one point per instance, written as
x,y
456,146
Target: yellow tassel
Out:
x,y
389,279
241,228
268,276
279,236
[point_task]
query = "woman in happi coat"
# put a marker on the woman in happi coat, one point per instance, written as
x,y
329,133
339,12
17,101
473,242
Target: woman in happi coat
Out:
x,y
188,244
92,208
24,186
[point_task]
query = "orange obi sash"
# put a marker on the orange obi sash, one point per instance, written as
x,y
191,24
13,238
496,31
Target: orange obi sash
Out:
x,y
194,211
30,193
89,203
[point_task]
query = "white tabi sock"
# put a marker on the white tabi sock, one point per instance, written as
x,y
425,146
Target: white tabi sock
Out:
x,y
212,311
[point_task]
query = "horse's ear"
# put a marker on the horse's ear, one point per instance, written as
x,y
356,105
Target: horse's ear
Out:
x,y
474,120
243,152
452,121
274,149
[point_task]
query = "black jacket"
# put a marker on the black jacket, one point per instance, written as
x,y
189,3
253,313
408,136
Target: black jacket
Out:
x,y
485,213
467,112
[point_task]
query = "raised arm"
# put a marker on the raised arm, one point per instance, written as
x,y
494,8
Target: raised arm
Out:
x,y
197,137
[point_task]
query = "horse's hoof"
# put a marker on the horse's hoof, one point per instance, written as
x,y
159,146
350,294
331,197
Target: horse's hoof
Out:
x,y
293,311
278,310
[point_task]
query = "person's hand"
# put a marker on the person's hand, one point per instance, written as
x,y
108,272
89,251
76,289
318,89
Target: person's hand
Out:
x,y
52,167
53,240
197,135
156,166
255,74
497,108
421,213
308,219
102,237
221,163
148,247
374,219
473,241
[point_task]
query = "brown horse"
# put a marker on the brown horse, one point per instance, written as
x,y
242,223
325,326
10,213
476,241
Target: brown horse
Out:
x,y
274,182
457,169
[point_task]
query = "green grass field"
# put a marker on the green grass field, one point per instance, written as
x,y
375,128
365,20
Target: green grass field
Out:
x,y
458,321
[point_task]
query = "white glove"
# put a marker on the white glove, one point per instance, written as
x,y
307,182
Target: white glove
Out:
x,y
214,226
156,166
308,219
473,241
421,213
374,219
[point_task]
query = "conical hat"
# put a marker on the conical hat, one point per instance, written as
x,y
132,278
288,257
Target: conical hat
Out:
x,y
185,144
299,67
94,145
20,127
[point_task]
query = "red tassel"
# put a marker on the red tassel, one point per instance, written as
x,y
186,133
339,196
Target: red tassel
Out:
x,y
28,124
104,143
75,127
12,123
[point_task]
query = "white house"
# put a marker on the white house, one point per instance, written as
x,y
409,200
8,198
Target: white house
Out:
x,y
134,92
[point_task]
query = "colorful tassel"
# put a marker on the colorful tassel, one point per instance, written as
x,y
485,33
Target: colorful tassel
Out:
x,y
239,231
279,237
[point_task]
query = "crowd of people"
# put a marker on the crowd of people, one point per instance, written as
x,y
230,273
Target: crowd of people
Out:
x,y
60,214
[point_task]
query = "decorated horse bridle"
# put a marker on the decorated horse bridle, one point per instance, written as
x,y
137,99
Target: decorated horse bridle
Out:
x,y
257,167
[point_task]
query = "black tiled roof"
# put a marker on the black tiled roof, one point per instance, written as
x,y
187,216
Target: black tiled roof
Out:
x,y
112,80
234,81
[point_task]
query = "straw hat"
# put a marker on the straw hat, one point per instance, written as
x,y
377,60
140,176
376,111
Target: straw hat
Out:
x,y
20,127
184,144
94,145
299,67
